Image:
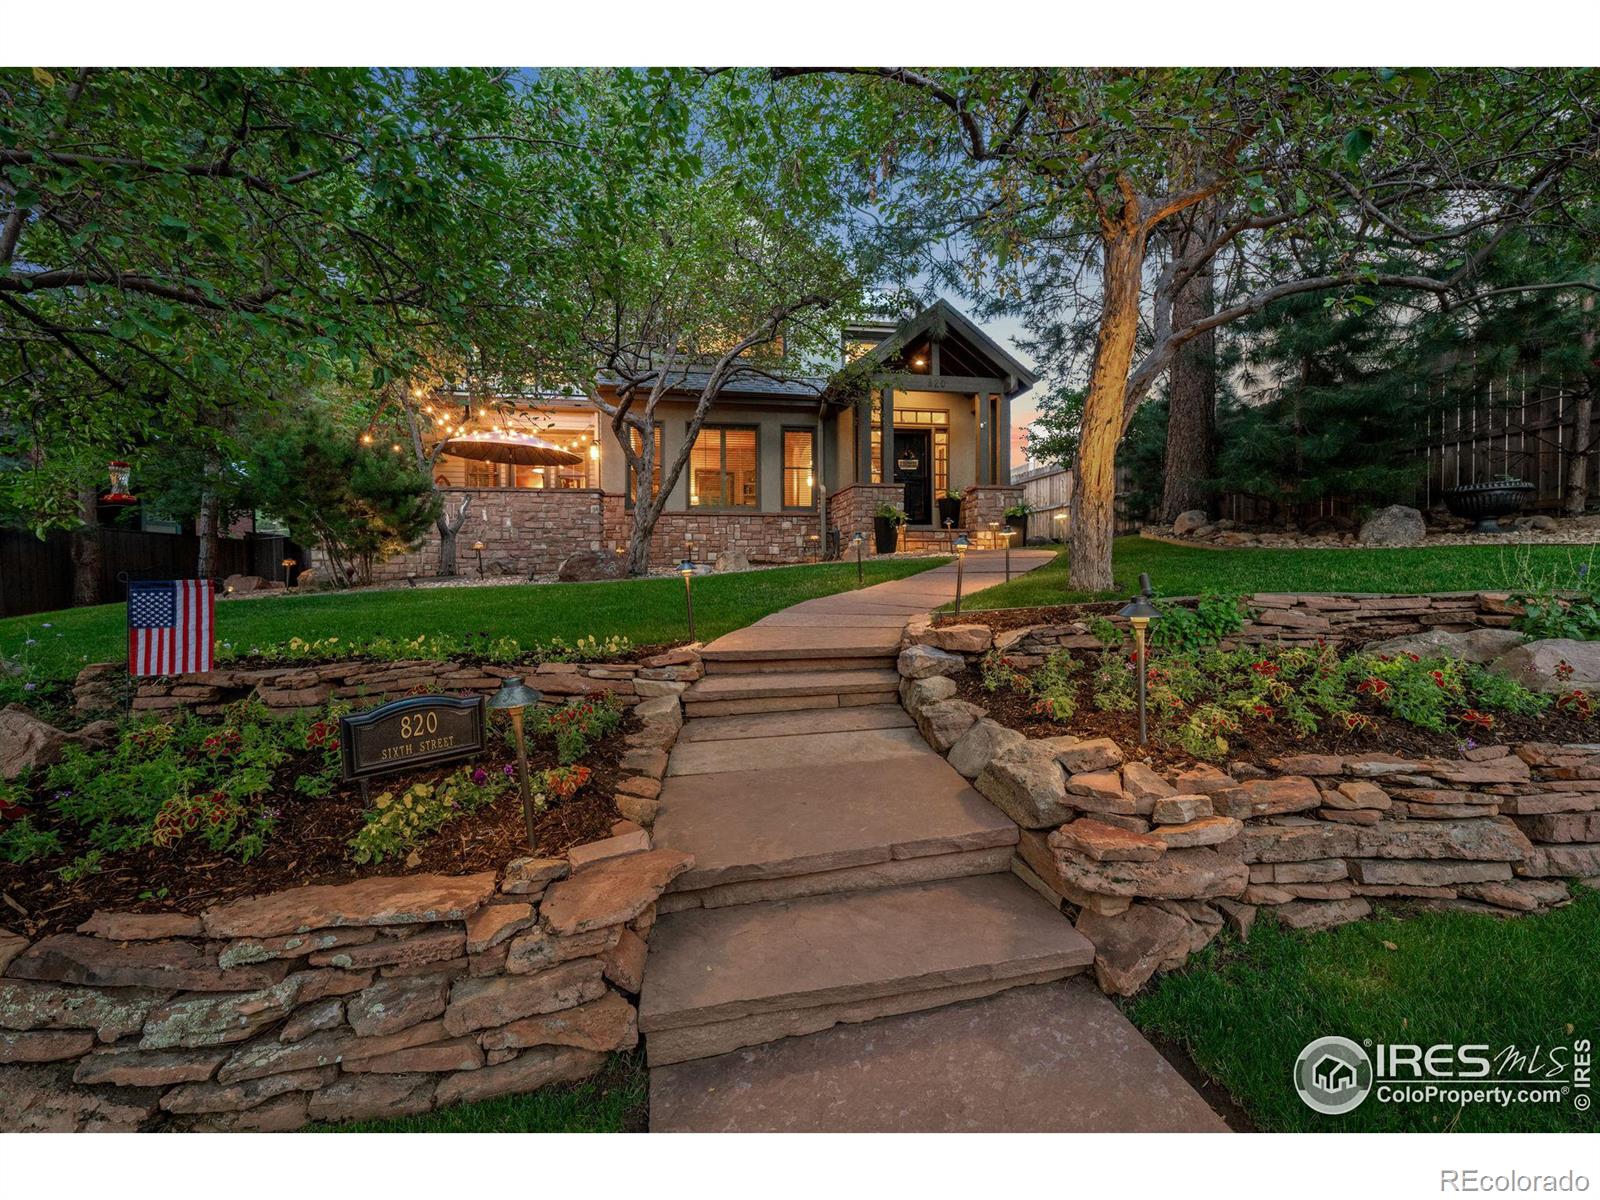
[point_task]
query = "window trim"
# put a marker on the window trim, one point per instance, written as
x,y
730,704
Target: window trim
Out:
x,y
722,467
783,467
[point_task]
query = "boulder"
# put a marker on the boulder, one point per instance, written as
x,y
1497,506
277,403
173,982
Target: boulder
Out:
x,y
958,639
307,579
1193,874
1141,782
27,743
588,566
1130,946
917,694
1396,525
974,749
1025,782
732,559
241,584
611,892
1268,797
1535,664
1180,810
919,662
1107,843
1468,645
1187,522
1100,792
1097,754
943,723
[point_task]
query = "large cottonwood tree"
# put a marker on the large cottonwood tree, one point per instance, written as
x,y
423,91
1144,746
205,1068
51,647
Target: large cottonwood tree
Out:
x,y
1064,189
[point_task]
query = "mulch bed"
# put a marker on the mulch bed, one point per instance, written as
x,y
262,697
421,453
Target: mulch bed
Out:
x,y
310,845
1257,741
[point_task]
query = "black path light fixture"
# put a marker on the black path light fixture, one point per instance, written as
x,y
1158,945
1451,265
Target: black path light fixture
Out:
x,y
287,565
513,699
478,549
1009,534
686,569
858,541
1140,612
961,558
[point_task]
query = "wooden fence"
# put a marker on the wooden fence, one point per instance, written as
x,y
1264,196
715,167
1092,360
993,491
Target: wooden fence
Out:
x,y
36,574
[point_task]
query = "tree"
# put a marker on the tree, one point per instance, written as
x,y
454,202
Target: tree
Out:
x,y
704,247
176,244
1400,179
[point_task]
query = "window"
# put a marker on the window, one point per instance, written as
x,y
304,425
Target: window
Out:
x,y
799,463
479,474
722,469
655,464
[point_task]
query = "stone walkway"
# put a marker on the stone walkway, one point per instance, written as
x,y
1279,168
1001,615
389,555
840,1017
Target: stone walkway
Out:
x,y
851,926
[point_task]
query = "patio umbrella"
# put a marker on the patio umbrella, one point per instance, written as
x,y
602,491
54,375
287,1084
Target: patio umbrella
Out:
x,y
523,449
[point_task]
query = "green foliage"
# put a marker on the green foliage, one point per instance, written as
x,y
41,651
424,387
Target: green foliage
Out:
x,y
1185,630
1562,601
22,842
361,504
1022,509
579,723
396,825
891,512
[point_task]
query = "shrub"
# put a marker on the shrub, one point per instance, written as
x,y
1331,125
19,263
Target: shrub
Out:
x,y
396,825
556,784
579,723
1185,630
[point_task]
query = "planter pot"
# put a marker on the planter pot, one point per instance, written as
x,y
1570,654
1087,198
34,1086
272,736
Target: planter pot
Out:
x,y
1020,525
885,535
1484,502
949,513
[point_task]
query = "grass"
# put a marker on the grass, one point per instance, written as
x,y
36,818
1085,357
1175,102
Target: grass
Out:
x,y
1193,570
613,1101
1244,1012
648,611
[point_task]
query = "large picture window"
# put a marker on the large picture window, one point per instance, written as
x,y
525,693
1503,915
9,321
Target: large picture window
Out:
x,y
655,465
722,468
799,465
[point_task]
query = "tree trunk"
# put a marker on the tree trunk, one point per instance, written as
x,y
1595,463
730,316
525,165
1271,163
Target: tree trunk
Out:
x,y
448,527
1192,399
1583,418
1094,474
86,550
206,534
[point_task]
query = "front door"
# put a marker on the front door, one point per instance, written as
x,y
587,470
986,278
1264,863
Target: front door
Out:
x,y
913,469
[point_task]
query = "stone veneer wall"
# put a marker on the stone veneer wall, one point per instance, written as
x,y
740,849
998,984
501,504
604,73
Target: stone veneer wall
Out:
x,y
986,503
851,508
761,537
380,998
1151,864
290,688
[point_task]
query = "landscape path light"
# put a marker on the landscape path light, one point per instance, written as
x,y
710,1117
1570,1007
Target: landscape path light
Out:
x,y
961,557
513,699
1010,533
994,534
1140,612
686,569
1060,517
478,547
858,541
286,564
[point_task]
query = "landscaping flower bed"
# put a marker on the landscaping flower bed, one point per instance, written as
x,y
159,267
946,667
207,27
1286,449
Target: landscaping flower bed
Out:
x,y
196,810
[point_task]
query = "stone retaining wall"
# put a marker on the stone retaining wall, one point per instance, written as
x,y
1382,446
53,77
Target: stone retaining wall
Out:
x,y
986,504
291,688
1338,618
761,537
380,998
1152,863
852,507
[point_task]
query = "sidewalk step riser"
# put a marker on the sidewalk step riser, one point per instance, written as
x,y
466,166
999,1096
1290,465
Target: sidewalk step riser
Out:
x,y
761,704
770,666
889,873
688,1043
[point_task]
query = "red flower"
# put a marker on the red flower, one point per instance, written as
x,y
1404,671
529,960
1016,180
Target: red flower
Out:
x,y
1564,670
1576,702
1373,686
1263,667
1473,717
1438,677
1264,710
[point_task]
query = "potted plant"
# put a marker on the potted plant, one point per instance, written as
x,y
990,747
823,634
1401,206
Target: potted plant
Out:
x,y
949,508
1017,518
886,522
1483,502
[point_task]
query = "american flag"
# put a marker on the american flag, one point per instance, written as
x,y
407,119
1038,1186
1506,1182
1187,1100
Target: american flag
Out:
x,y
171,626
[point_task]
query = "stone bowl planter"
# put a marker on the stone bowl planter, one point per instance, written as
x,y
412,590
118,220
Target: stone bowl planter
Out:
x,y
1484,502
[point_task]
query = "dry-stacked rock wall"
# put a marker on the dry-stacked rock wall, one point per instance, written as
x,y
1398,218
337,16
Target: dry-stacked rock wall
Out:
x,y
1152,863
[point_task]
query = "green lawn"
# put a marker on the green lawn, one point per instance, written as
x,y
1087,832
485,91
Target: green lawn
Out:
x,y
614,1101
1244,1012
649,611
1192,570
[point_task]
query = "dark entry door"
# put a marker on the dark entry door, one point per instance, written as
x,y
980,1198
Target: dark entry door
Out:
x,y
913,469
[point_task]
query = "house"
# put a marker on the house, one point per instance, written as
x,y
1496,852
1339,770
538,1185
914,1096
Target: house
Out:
x,y
782,461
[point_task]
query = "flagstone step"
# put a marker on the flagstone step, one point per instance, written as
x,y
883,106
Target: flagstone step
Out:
x,y
723,695
1056,1058
822,641
796,750
816,720
794,821
718,979
776,666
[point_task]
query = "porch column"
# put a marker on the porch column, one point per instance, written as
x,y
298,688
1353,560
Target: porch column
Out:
x,y
886,424
1002,440
980,404
863,431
